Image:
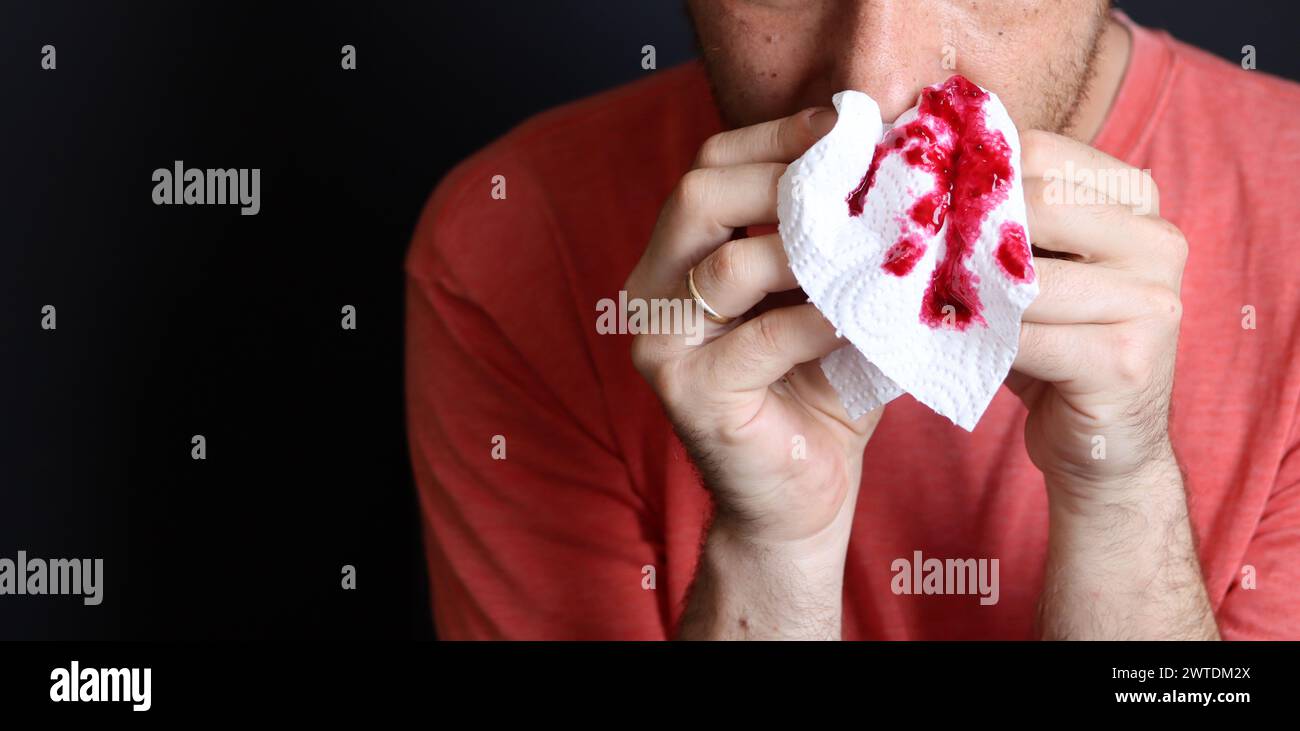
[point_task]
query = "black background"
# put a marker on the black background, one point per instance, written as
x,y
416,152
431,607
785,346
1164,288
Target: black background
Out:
x,y
183,320
916,681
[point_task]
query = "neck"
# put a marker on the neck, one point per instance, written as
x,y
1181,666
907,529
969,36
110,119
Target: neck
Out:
x,y
1109,65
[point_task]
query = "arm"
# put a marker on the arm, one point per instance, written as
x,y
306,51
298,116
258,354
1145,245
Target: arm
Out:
x,y
749,590
1125,568
741,391
1096,370
548,542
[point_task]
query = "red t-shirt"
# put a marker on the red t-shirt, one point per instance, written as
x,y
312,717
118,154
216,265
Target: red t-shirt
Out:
x,y
554,540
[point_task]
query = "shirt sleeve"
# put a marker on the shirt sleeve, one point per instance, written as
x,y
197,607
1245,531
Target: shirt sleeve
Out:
x,y
532,527
1263,602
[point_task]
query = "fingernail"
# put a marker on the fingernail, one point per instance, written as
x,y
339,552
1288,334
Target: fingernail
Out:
x,y
822,120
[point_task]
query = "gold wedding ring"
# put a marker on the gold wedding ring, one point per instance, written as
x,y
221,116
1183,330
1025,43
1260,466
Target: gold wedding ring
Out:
x,y
708,311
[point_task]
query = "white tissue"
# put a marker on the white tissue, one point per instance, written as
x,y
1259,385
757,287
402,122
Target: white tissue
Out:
x,y
837,259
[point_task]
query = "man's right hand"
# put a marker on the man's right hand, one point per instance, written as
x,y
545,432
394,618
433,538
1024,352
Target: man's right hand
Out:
x,y
750,403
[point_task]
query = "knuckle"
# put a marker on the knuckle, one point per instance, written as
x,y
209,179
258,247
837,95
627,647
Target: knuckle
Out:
x,y
665,383
1149,184
1035,148
1174,311
767,332
659,373
1175,241
727,264
691,191
1129,356
1169,247
755,344
1033,140
711,152
1164,304
642,356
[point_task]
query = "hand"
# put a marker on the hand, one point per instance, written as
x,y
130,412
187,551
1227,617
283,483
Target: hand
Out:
x,y
750,400
1096,369
1097,346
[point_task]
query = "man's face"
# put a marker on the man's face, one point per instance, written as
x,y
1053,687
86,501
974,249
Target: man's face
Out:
x,y
770,58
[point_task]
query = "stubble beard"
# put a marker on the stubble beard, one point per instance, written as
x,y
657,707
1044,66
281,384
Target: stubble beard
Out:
x,y
1064,87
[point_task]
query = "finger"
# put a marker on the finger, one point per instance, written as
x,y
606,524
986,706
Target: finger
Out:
x,y
1083,227
760,351
706,208
781,140
1070,293
1057,353
729,281
738,274
1106,233
1056,157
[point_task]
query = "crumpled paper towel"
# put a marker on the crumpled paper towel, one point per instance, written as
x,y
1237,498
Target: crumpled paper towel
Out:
x,y
912,240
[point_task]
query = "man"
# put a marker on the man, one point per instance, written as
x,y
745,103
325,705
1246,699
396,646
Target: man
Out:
x,y
554,481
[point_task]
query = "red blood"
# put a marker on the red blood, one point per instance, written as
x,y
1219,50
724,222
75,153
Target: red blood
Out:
x,y
903,255
1013,252
859,194
971,168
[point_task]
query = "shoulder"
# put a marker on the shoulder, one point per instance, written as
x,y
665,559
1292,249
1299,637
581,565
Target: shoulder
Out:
x,y
1222,147
1237,107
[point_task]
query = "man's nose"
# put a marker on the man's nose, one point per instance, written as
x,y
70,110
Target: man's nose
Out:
x,y
889,49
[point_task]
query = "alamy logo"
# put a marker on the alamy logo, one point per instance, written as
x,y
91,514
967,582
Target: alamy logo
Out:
x,y
949,576
657,316
89,685
38,576
210,187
